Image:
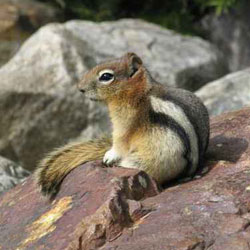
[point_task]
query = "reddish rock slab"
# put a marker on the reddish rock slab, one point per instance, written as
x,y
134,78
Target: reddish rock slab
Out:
x,y
90,209
115,208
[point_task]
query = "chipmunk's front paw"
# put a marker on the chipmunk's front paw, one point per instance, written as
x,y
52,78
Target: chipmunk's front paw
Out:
x,y
111,157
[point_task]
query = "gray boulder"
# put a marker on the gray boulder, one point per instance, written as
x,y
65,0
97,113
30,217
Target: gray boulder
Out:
x,y
10,174
230,33
39,101
228,93
183,61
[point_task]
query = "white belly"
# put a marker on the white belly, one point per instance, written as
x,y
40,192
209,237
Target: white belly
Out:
x,y
162,157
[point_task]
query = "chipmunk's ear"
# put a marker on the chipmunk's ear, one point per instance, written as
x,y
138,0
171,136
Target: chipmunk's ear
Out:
x,y
134,62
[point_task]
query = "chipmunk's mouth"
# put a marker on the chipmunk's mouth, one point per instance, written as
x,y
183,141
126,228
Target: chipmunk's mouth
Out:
x,y
90,95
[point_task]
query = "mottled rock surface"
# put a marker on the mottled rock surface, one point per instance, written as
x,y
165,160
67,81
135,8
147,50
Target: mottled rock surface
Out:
x,y
113,208
41,106
90,209
229,93
18,20
10,174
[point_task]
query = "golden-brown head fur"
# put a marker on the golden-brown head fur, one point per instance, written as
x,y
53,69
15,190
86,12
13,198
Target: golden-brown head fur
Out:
x,y
127,79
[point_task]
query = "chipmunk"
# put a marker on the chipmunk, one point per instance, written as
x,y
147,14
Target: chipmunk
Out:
x,y
161,130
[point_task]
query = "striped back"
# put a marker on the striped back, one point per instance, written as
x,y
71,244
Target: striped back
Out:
x,y
183,112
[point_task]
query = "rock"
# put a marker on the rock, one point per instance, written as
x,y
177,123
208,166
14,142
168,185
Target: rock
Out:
x,y
83,216
116,208
230,33
18,20
41,106
228,93
10,174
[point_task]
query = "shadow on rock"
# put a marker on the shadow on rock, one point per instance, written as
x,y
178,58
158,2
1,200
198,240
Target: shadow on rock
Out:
x,y
223,148
220,148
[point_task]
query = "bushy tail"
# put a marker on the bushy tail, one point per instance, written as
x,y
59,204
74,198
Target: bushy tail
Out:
x,y
53,169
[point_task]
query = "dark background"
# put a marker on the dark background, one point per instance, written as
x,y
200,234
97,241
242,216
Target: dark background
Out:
x,y
179,15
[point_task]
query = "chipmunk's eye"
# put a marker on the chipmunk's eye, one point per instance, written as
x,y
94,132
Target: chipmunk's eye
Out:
x,y
106,76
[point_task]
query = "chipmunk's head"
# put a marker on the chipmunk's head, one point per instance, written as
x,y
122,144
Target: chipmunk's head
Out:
x,y
122,78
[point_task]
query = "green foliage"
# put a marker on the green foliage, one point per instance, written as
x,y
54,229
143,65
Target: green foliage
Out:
x,y
221,5
179,15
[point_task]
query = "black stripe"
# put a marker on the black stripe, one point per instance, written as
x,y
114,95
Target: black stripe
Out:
x,y
165,120
186,110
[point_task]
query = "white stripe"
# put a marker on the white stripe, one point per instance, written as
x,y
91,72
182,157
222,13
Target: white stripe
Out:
x,y
176,112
